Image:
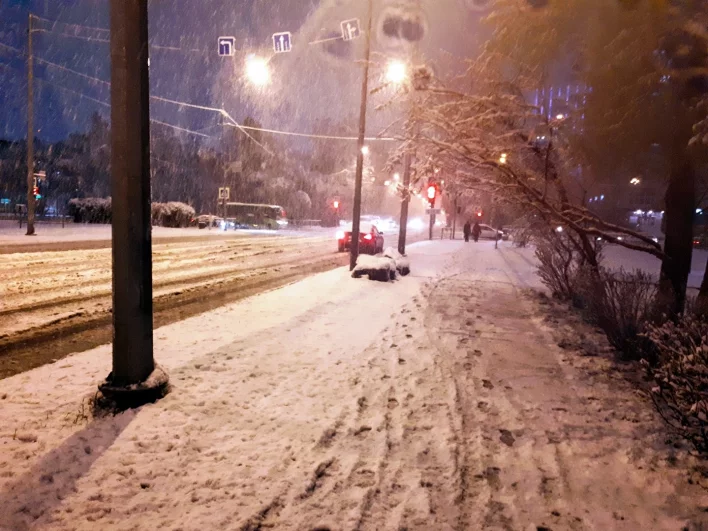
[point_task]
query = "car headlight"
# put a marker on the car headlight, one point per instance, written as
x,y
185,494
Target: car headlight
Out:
x,y
282,222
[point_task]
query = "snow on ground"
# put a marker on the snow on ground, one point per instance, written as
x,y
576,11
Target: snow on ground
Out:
x,y
437,402
78,282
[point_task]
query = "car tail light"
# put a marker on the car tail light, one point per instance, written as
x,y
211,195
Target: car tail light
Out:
x,y
368,237
340,235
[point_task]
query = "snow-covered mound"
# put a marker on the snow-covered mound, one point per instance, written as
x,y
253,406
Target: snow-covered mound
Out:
x,y
378,267
403,264
382,267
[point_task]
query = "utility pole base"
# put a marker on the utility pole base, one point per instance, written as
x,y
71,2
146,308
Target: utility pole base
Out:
x,y
156,386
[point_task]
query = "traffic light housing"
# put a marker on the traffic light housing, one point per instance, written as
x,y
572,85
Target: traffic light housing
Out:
x,y
480,213
35,192
335,204
432,194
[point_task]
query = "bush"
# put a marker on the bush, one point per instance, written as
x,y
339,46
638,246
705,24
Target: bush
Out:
x,y
621,303
680,375
97,210
172,214
558,266
90,210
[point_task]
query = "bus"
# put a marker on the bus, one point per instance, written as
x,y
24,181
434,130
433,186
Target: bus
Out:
x,y
254,216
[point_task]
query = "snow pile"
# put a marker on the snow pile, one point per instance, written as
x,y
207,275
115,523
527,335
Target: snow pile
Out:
x,y
378,267
403,264
382,267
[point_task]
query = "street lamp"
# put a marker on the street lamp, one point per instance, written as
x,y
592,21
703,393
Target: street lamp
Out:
x,y
257,70
396,72
396,176
502,158
365,150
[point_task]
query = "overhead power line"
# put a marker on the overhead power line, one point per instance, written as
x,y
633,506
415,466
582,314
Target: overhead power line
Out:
x,y
69,35
54,23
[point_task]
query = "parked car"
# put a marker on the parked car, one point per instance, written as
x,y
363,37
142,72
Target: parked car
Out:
x,y
490,233
371,240
205,220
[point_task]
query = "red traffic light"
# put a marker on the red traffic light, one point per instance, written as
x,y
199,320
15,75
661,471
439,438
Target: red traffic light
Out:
x,y
335,205
432,191
479,214
35,190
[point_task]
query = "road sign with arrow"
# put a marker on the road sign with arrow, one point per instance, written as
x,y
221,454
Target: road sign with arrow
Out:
x,y
282,42
351,29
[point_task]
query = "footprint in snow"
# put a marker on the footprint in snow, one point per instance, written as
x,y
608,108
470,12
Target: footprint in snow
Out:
x,y
487,384
507,438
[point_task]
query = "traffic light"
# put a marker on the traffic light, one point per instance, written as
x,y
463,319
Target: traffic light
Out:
x,y
479,214
35,192
336,205
432,193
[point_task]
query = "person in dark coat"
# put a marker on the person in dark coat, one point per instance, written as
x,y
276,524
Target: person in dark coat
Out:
x,y
467,230
476,231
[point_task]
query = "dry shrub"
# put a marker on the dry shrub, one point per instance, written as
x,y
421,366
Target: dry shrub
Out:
x,y
558,266
621,303
680,375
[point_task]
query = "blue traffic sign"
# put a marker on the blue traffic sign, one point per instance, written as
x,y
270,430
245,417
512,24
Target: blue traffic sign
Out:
x,y
282,42
227,46
4,201
351,29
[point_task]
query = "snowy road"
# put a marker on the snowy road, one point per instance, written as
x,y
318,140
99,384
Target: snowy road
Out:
x,y
439,402
57,296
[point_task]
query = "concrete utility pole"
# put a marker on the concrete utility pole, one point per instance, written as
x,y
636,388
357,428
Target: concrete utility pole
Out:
x,y
356,221
454,216
30,130
133,359
403,226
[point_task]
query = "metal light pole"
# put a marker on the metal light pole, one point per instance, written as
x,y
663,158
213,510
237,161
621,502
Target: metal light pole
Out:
x,y
133,359
30,131
354,244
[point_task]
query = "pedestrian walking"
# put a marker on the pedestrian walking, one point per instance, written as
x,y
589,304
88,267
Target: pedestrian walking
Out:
x,y
476,231
467,230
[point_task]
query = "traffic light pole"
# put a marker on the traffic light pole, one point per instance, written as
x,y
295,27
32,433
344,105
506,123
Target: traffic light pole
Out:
x,y
432,223
135,378
30,130
356,222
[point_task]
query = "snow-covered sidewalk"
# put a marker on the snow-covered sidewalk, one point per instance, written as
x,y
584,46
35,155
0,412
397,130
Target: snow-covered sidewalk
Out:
x,y
439,401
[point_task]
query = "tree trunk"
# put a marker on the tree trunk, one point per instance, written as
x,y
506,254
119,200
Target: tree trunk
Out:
x,y
680,205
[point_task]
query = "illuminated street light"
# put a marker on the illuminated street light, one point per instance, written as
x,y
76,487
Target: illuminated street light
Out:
x,y
387,183
502,158
396,176
257,70
635,181
396,72
560,116
365,150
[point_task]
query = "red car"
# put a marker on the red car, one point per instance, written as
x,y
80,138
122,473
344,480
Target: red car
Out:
x,y
370,242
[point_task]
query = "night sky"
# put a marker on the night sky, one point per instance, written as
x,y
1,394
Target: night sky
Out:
x,y
311,85
185,75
